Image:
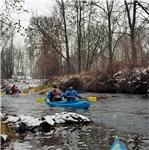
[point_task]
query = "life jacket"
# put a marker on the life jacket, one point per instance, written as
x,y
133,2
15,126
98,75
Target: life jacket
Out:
x,y
71,93
54,93
13,90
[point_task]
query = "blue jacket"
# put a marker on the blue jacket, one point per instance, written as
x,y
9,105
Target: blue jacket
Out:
x,y
71,93
49,96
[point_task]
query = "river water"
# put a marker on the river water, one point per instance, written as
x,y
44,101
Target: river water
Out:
x,y
124,115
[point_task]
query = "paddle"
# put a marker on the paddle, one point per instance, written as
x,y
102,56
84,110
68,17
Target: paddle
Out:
x,y
23,94
92,98
20,94
40,100
89,98
2,94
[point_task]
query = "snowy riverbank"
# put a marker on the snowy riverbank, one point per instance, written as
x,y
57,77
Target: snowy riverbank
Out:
x,y
23,123
127,81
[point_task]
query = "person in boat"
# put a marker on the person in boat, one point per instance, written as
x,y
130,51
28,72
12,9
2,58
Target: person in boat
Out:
x,y
54,94
14,90
6,89
71,94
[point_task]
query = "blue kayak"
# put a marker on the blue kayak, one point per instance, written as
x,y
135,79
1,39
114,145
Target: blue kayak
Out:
x,y
72,104
118,145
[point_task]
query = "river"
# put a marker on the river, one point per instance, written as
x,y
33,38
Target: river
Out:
x,y
124,115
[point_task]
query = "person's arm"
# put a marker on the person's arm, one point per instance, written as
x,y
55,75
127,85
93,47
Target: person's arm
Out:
x,y
49,95
66,94
18,90
59,91
77,95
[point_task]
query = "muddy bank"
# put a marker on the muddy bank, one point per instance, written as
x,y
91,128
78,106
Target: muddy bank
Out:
x,y
128,81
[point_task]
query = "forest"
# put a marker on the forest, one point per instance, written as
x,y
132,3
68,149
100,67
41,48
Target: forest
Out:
x,y
77,36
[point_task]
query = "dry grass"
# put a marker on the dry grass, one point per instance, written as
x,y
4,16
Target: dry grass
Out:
x,y
6,129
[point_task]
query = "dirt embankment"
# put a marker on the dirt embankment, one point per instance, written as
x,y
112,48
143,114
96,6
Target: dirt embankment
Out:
x,y
128,81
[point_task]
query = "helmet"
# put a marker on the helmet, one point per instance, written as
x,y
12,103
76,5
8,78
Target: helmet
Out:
x,y
70,88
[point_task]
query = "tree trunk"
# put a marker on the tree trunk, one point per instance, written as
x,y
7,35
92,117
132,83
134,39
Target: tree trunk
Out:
x,y
132,23
134,52
79,20
66,37
109,9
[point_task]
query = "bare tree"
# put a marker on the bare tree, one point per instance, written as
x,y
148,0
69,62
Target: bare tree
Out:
x,y
78,7
132,24
9,26
62,8
111,15
135,25
51,30
47,63
7,59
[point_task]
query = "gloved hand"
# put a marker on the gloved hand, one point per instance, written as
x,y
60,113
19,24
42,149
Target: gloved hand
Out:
x,y
80,97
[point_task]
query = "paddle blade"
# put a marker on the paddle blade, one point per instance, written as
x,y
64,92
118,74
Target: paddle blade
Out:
x,y
23,94
2,94
92,98
40,100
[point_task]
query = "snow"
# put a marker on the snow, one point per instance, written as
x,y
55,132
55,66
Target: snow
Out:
x,y
58,118
144,71
30,121
118,73
4,136
70,116
2,115
12,119
23,84
49,120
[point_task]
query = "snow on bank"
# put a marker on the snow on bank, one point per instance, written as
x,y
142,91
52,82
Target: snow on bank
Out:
x,y
125,81
4,136
58,118
22,123
44,122
22,84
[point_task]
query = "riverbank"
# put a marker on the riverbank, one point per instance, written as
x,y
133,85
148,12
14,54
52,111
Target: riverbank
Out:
x,y
7,133
12,125
134,81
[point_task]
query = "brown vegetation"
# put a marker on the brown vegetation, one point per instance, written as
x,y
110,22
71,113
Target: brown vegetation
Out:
x,y
6,129
126,81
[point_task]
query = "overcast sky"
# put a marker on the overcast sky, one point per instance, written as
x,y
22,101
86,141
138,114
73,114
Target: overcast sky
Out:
x,y
35,7
39,7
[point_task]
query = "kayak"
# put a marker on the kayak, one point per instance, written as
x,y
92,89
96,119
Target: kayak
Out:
x,y
72,104
118,145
